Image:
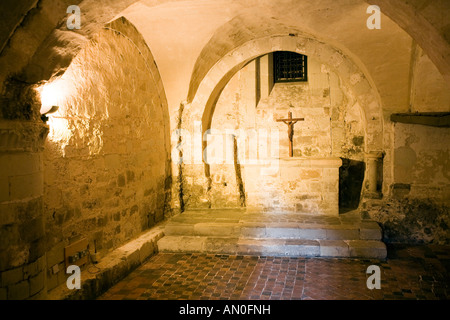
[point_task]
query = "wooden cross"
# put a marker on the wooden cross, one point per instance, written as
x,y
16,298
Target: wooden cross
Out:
x,y
290,122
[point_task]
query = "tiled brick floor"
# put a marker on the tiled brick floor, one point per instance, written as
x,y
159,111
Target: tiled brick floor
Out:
x,y
410,272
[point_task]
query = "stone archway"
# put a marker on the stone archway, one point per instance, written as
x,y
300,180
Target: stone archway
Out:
x,y
216,79
204,96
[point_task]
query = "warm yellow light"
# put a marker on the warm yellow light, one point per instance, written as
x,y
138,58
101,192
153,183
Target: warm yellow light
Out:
x,y
59,129
52,94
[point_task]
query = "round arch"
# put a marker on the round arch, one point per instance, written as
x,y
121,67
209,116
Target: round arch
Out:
x,y
202,103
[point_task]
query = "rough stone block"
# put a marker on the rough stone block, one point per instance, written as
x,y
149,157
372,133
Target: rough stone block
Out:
x,y
133,259
5,166
332,187
370,231
7,213
121,180
215,229
334,248
367,249
331,197
180,244
19,291
312,233
147,250
55,255
281,233
255,232
4,189
52,280
114,270
279,247
11,276
302,248
216,245
311,174
61,275
37,283
260,246
3,294
19,164
315,187
342,234
26,186
32,230
34,268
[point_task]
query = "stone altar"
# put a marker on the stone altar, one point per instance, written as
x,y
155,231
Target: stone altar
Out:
x,y
303,185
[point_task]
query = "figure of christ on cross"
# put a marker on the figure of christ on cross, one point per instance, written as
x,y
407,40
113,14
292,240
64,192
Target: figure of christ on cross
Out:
x,y
290,122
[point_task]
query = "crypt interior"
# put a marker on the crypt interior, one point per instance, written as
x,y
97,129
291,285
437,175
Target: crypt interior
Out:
x,y
294,128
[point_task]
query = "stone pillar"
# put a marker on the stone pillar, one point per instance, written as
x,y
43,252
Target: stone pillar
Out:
x,y
22,245
372,160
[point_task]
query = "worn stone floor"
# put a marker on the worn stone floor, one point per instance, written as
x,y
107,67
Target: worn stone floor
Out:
x,y
410,272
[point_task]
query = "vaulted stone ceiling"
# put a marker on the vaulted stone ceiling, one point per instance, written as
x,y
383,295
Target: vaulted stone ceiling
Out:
x,y
36,45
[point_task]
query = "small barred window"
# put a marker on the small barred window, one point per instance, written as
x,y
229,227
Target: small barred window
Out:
x,y
290,67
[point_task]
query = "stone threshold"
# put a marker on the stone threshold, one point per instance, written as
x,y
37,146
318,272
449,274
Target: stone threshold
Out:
x,y
241,224
113,267
371,249
366,230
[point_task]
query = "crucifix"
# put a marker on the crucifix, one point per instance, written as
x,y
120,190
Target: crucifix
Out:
x,y
290,122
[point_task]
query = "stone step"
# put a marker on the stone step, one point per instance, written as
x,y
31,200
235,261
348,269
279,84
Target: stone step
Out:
x,y
274,247
243,232
363,230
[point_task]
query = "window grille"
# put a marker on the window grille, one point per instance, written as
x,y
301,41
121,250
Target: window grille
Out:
x,y
290,67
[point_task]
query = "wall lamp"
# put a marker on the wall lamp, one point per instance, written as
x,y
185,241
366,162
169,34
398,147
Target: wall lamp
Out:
x,y
44,117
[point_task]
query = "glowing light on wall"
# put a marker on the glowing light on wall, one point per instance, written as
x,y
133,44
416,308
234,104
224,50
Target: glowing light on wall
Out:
x,y
59,130
52,94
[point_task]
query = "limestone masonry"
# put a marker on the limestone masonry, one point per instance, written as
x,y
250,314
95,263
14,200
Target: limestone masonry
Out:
x,y
154,126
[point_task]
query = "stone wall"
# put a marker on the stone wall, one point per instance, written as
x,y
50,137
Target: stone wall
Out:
x,y
422,161
410,220
22,232
98,169
247,110
240,104
417,208
106,160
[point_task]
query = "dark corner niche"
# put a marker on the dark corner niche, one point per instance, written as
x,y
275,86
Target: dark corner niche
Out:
x,y
351,177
